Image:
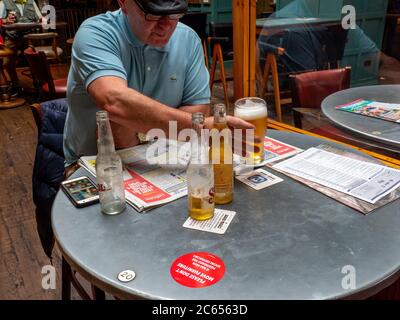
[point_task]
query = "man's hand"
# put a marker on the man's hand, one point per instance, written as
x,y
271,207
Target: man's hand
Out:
x,y
242,133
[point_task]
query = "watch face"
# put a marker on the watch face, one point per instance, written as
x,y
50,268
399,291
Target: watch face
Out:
x,y
81,189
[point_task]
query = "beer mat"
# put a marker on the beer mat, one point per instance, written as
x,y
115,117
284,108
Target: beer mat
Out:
x,y
259,179
217,224
359,205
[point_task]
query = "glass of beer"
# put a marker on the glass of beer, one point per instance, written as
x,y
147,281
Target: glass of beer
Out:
x,y
254,111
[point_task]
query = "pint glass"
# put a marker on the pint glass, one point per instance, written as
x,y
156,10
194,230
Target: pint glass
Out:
x,y
254,110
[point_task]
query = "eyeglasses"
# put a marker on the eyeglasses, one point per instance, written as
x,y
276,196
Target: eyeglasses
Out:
x,y
153,17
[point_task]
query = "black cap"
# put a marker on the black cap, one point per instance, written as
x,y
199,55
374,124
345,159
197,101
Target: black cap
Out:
x,y
163,7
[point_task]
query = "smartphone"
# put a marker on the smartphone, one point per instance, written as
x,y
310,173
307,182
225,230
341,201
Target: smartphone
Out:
x,y
81,191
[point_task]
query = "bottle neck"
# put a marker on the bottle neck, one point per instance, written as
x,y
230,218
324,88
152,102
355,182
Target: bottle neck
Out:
x,y
219,114
198,140
105,140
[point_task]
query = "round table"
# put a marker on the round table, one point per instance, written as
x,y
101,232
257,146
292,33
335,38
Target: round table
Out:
x,y
287,241
385,132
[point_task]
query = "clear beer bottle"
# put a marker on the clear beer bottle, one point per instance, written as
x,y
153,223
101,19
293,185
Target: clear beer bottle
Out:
x,y
200,177
108,169
221,156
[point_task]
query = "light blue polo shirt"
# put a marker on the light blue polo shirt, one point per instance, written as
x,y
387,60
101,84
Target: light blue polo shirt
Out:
x,y
105,46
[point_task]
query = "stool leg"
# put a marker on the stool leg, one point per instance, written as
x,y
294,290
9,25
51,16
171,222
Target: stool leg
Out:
x,y
213,67
265,77
3,77
205,52
275,80
222,71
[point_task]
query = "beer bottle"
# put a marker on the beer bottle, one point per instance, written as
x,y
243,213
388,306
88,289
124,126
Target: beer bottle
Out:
x,y
108,169
200,177
221,156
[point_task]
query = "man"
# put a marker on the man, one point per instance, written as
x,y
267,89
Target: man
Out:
x,y
12,11
141,66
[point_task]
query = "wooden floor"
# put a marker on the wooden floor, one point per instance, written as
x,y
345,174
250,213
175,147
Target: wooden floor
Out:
x,y
21,254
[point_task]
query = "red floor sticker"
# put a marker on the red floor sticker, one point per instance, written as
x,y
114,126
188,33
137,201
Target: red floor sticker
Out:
x,y
197,269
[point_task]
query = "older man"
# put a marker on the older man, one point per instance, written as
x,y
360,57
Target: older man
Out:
x,y
140,65
12,11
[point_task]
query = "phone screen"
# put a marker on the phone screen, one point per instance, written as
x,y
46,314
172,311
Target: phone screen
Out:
x,y
81,189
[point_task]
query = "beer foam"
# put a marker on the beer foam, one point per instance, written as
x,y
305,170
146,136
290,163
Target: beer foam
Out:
x,y
251,110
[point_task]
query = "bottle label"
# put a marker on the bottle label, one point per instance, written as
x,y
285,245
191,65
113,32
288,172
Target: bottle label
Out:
x,y
102,187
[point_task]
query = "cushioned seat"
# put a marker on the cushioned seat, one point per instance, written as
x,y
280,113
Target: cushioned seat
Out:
x,y
49,52
60,86
52,51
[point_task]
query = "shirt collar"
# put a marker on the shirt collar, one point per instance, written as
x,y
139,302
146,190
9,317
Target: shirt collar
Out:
x,y
133,40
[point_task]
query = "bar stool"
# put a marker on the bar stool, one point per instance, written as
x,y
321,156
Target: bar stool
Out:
x,y
270,67
6,101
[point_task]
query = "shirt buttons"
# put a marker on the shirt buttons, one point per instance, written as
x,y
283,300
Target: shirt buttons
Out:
x,y
148,68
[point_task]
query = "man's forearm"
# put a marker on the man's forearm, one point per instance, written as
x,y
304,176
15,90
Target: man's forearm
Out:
x,y
132,109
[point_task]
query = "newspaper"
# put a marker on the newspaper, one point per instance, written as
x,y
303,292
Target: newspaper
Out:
x,y
385,111
274,150
366,181
151,181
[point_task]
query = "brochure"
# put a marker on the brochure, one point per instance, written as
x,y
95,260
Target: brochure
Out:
x,y
385,111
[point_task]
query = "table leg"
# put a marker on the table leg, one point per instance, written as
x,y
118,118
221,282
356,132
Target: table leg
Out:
x,y
66,280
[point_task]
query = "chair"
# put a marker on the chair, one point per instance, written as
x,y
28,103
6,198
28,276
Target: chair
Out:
x,y
299,49
52,51
47,175
42,77
309,89
221,41
198,22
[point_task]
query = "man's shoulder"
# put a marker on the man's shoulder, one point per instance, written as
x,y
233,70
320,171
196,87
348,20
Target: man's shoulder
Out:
x,y
184,31
109,19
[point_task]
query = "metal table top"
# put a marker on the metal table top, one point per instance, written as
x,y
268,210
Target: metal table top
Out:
x,y
385,132
287,241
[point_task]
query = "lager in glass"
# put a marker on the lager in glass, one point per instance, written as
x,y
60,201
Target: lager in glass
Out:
x,y
221,156
254,111
200,176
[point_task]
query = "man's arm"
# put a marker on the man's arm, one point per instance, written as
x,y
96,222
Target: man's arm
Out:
x,y
132,112
131,109
37,11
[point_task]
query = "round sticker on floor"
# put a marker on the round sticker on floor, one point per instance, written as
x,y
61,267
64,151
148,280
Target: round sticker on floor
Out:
x,y
197,269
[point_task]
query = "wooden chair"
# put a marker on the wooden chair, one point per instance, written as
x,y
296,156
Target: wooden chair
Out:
x,y
36,40
309,89
221,41
293,51
42,77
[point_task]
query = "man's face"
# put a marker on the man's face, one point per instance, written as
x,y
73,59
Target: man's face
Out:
x,y
153,33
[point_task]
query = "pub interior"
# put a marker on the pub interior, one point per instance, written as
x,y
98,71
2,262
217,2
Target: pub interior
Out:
x,y
328,72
